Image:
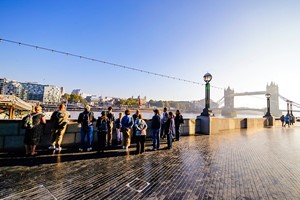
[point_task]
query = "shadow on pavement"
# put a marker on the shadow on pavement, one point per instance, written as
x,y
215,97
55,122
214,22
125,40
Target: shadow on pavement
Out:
x,y
45,156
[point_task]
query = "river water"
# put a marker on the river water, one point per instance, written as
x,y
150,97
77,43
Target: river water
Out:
x,y
146,115
149,115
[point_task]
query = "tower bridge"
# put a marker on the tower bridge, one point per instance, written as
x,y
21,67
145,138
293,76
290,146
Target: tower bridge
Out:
x,y
230,111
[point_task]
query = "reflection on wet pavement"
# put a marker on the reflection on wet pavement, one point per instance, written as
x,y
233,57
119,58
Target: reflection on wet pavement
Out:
x,y
246,164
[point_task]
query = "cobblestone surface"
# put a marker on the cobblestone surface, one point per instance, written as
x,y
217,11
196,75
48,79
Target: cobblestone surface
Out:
x,y
246,164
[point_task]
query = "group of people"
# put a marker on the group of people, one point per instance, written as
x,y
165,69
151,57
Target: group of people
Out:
x,y
288,119
34,123
166,127
128,129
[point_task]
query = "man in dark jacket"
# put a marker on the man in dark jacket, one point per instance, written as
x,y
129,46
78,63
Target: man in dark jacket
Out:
x,y
178,122
111,120
86,119
155,126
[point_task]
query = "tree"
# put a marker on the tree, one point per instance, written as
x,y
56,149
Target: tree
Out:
x,y
65,97
160,104
74,98
84,101
151,102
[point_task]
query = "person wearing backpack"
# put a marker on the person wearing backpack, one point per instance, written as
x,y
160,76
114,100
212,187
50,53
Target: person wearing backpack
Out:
x,y
111,120
170,129
178,122
86,119
33,131
59,119
141,127
102,125
155,126
127,123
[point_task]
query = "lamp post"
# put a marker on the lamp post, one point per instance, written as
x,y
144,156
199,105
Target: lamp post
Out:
x,y
292,118
268,114
288,107
207,78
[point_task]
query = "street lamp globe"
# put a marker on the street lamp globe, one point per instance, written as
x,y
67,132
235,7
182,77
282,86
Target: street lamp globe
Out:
x,y
207,77
268,95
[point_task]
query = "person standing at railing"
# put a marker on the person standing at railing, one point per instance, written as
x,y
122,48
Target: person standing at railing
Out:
x,y
170,129
287,120
163,123
127,123
59,121
34,131
178,122
282,120
141,127
155,126
102,125
118,126
111,120
86,119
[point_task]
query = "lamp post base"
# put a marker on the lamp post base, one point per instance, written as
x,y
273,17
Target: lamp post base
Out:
x,y
270,120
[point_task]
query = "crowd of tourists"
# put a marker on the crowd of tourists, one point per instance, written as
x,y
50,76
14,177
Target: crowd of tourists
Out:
x,y
128,129
287,120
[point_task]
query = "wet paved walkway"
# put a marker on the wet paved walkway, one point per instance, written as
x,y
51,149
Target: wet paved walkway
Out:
x,y
247,164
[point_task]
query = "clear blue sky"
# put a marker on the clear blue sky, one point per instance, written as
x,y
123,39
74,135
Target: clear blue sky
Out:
x,y
244,44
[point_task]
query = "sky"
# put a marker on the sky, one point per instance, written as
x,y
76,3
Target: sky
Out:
x,y
244,44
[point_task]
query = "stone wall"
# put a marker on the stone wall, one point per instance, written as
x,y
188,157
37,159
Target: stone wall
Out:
x,y
213,125
12,136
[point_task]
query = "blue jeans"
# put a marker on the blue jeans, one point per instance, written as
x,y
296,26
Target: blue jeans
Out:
x,y
155,138
169,140
89,132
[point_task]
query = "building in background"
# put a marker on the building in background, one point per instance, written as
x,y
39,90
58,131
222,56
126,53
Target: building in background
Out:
x,y
52,94
11,87
2,84
93,100
31,91
79,92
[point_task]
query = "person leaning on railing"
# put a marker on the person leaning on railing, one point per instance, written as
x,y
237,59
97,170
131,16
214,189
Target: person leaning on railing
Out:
x,y
59,119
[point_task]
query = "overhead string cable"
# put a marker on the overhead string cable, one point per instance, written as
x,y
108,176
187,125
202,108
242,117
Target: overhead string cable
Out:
x,y
104,62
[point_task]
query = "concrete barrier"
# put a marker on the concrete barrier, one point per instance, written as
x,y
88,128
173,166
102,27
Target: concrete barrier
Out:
x,y
214,125
12,136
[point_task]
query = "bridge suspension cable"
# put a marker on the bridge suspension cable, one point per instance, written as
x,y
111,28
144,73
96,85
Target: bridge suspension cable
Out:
x,y
105,62
292,102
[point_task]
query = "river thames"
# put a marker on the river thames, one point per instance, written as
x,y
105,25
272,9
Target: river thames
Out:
x,y
149,115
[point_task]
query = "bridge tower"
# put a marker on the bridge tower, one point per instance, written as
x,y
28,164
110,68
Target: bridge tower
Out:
x,y
273,89
228,109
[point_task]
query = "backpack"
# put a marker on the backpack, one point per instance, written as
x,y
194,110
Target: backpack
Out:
x,y
86,119
103,126
111,120
181,121
27,122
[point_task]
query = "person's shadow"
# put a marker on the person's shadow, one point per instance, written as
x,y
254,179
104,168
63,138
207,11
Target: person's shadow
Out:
x,y
66,155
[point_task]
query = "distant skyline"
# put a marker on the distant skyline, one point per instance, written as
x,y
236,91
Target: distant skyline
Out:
x,y
243,44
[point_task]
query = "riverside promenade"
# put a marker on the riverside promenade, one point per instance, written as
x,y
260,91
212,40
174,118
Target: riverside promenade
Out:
x,y
237,164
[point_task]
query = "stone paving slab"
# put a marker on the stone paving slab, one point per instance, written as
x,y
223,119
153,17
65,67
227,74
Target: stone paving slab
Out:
x,y
244,164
